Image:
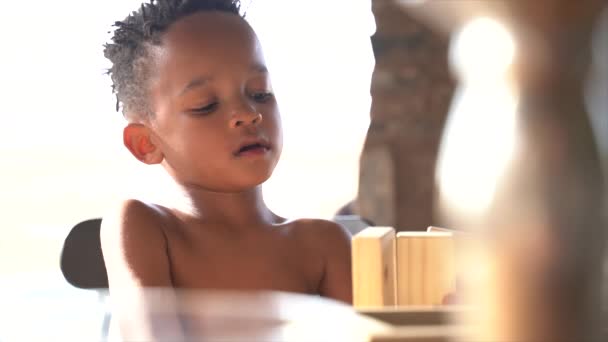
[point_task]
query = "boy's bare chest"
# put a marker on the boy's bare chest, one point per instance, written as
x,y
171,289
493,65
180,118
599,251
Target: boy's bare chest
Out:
x,y
266,262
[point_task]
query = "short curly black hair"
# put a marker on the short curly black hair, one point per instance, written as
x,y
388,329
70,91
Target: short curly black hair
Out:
x,y
130,49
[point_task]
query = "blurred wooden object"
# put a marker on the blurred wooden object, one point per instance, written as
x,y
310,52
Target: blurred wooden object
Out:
x,y
544,232
373,262
425,267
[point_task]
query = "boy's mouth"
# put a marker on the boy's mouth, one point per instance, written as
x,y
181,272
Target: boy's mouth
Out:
x,y
256,147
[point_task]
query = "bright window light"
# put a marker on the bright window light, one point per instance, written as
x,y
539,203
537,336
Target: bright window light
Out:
x,y
480,134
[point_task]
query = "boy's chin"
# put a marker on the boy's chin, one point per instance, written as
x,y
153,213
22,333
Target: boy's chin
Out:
x,y
239,184
251,182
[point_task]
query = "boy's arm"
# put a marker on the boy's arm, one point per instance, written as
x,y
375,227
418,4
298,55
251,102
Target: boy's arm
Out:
x,y
337,276
134,248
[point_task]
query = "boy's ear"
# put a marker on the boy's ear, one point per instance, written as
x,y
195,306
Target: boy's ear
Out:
x,y
136,138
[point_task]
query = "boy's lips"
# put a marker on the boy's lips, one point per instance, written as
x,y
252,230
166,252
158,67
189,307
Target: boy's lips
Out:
x,y
254,146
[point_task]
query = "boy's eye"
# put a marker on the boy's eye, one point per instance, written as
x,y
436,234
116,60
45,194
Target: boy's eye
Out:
x,y
205,109
262,97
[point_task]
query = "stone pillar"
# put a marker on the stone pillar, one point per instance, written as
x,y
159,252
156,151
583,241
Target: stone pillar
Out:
x,y
411,92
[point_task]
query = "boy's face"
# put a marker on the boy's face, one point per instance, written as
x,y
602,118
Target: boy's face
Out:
x,y
215,120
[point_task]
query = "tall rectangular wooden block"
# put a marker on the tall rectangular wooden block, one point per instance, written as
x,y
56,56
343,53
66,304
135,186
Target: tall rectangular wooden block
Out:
x,y
426,267
374,266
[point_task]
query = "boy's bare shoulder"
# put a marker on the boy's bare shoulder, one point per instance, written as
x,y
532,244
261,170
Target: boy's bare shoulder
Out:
x,y
133,219
133,213
134,244
321,231
332,242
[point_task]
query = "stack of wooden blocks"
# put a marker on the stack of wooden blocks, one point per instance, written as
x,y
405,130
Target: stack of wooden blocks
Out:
x,y
402,269
404,280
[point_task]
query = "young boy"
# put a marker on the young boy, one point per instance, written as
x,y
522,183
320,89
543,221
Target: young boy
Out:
x,y
194,87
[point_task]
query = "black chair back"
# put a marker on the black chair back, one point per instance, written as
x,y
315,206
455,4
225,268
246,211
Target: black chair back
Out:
x,y
82,262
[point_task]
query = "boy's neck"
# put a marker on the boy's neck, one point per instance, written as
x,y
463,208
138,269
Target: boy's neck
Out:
x,y
242,209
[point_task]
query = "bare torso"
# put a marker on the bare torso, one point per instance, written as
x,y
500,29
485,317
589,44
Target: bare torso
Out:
x,y
279,257
148,245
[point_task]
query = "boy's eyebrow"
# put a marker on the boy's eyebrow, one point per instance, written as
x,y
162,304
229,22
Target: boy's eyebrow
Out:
x,y
199,81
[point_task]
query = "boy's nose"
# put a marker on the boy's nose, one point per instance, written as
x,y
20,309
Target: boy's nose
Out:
x,y
244,118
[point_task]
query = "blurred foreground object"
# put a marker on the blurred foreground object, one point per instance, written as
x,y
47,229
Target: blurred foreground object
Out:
x,y
208,315
519,166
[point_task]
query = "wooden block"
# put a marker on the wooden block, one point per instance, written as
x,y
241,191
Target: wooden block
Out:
x,y
415,315
373,260
424,333
425,267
